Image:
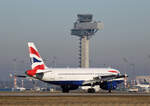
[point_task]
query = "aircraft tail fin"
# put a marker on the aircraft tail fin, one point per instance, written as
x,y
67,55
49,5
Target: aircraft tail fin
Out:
x,y
36,60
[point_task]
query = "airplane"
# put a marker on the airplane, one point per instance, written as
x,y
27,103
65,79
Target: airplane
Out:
x,y
145,85
72,78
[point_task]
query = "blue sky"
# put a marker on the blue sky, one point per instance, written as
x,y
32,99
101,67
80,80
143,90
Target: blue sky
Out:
x,y
48,22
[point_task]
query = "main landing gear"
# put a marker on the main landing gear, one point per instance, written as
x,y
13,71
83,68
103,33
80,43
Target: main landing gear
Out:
x,y
65,90
109,90
91,90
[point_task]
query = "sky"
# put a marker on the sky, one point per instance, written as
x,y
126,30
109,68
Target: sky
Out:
x,y
124,43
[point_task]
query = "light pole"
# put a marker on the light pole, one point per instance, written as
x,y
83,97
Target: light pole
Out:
x,y
15,78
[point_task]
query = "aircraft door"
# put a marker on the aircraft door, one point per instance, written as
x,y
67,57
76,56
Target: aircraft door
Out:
x,y
52,76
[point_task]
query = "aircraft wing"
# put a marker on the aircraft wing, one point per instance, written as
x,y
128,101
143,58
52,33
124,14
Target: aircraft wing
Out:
x,y
109,77
27,77
21,76
14,75
99,79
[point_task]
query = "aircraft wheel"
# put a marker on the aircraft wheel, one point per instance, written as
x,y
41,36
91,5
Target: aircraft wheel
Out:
x,y
91,90
109,91
65,90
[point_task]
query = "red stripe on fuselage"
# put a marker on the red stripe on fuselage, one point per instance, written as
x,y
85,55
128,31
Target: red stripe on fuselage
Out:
x,y
113,71
33,51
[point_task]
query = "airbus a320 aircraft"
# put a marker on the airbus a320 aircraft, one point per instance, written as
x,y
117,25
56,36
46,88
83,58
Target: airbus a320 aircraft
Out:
x,y
73,78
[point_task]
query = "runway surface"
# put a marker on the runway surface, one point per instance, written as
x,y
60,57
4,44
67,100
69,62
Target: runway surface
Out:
x,y
73,99
70,94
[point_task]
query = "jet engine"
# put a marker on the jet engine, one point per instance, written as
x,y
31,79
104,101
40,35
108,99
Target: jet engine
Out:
x,y
108,85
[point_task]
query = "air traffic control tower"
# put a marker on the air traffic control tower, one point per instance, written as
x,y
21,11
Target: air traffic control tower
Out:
x,y
84,28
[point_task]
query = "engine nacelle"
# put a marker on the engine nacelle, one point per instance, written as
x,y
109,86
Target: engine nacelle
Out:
x,y
108,85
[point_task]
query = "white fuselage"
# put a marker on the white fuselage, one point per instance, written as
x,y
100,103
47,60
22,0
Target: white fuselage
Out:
x,y
76,74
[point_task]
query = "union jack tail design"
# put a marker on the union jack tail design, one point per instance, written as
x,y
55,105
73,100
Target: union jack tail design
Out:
x,y
36,60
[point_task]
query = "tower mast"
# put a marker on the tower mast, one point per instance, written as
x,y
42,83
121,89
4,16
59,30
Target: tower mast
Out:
x,y
84,28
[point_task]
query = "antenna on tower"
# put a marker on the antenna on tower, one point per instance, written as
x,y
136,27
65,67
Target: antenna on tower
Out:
x,y
84,28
